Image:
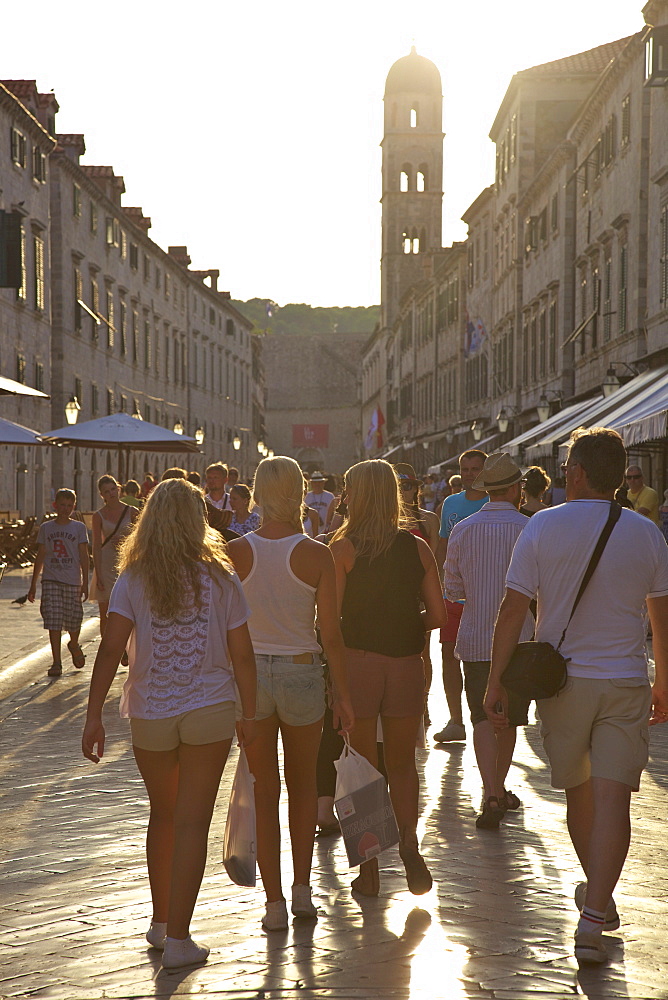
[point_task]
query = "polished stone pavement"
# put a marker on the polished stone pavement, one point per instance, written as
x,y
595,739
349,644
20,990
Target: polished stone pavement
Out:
x,y
74,897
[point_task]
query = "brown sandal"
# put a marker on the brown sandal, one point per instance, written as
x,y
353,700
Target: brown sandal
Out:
x,y
55,670
78,655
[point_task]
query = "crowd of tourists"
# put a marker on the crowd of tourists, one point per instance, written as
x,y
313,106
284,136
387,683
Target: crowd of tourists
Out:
x,y
260,610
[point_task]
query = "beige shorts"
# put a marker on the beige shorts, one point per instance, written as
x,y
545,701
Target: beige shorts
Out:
x,y
597,728
209,724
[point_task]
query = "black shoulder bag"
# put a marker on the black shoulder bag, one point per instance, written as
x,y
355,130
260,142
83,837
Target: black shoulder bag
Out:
x,y
536,669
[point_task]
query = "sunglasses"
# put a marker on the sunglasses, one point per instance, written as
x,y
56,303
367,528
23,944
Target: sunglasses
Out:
x,y
634,475
408,485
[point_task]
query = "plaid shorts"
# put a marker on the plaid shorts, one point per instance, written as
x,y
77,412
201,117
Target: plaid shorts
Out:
x,y
61,606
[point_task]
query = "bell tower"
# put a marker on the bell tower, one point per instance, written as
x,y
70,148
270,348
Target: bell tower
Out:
x,y
412,200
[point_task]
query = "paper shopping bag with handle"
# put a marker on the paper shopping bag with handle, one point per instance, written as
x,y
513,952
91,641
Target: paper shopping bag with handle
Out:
x,y
363,807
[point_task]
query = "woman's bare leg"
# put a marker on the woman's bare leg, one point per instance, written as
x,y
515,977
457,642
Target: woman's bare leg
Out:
x,y
104,609
399,739
185,782
300,754
262,757
363,739
160,771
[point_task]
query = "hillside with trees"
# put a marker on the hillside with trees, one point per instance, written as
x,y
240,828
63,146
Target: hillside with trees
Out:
x,y
299,318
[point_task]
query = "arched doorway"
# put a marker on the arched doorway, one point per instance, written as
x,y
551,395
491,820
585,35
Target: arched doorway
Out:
x,y
311,459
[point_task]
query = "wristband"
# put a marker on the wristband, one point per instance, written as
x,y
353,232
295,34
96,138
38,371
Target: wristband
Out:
x,y
244,718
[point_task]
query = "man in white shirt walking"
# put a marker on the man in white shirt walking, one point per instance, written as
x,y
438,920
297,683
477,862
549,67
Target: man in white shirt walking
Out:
x,y
479,551
319,498
595,730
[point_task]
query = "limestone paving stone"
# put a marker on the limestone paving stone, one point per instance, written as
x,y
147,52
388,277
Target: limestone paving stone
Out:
x,y
498,923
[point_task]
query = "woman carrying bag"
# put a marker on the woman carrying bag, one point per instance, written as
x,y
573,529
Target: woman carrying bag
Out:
x,y
181,606
287,578
383,572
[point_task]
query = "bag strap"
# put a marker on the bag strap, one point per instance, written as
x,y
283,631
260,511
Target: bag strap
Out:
x,y
613,517
116,527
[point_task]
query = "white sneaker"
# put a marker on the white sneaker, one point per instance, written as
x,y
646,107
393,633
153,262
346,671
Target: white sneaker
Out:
x,y
179,952
612,920
301,902
275,916
454,732
155,935
589,948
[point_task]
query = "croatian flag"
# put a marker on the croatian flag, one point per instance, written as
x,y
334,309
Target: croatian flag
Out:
x,y
374,436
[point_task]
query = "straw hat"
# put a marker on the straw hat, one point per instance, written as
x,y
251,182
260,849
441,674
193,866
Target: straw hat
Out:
x,y
498,473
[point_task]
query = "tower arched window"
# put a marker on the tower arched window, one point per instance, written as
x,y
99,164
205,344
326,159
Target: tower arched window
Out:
x,y
406,242
403,181
421,180
414,116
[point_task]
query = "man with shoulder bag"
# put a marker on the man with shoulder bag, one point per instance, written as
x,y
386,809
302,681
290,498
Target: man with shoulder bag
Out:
x,y
595,729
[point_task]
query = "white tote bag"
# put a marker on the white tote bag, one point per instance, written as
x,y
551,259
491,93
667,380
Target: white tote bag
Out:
x,y
239,851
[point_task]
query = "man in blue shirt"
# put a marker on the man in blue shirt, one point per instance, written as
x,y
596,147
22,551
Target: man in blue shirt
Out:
x,y
455,508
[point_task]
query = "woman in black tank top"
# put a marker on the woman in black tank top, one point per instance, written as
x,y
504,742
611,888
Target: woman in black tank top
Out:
x,y
383,573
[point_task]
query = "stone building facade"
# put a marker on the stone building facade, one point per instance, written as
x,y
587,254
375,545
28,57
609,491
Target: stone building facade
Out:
x,y
313,397
130,327
565,276
27,129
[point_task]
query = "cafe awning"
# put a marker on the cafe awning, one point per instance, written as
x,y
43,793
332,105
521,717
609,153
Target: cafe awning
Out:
x,y
598,412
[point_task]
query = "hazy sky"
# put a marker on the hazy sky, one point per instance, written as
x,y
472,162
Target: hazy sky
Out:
x,y
250,131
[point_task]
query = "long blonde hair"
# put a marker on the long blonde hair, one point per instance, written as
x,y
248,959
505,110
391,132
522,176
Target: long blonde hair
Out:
x,y
278,489
375,509
170,541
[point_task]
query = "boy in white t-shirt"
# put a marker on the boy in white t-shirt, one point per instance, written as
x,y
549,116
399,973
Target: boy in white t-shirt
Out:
x,y
62,552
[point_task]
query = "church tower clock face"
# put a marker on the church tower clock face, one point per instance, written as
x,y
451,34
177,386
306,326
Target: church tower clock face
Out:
x,y
412,199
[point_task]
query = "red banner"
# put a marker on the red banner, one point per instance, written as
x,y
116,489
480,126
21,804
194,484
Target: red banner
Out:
x,y
310,435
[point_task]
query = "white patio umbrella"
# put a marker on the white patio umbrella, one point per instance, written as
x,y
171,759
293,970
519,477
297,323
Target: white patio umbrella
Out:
x,y
11,433
124,433
8,387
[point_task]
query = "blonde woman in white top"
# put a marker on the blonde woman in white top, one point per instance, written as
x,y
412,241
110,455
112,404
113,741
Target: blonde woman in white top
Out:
x,y
181,609
287,578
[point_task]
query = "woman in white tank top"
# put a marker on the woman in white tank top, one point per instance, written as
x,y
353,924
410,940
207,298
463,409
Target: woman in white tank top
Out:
x,y
287,579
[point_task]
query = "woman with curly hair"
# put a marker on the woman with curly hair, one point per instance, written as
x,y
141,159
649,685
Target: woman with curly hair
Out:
x,y
383,572
180,604
288,577
535,484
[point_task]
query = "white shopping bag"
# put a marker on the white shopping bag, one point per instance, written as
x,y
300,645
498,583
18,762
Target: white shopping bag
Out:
x,y
363,807
239,851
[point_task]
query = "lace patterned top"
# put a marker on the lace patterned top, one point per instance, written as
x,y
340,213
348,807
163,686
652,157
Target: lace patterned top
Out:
x,y
180,663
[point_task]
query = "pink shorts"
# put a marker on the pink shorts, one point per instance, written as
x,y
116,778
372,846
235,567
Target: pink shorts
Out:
x,y
393,686
449,631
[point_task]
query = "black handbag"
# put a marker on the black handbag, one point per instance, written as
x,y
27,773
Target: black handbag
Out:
x,y
536,669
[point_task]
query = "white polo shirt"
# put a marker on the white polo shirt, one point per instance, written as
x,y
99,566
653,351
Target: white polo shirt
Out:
x,y
606,638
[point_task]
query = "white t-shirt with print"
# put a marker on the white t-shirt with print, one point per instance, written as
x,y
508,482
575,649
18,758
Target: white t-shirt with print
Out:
x,y
606,638
183,663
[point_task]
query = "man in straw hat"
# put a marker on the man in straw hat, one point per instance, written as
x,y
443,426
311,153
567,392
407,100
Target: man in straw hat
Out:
x,y
479,552
595,730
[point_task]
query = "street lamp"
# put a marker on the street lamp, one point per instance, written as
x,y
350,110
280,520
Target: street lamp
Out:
x,y
137,414
270,454
199,436
236,441
476,430
178,427
72,410
543,408
610,382
260,447
503,418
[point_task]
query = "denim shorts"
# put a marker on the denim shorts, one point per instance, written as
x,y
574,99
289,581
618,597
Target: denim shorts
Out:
x,y
294,691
